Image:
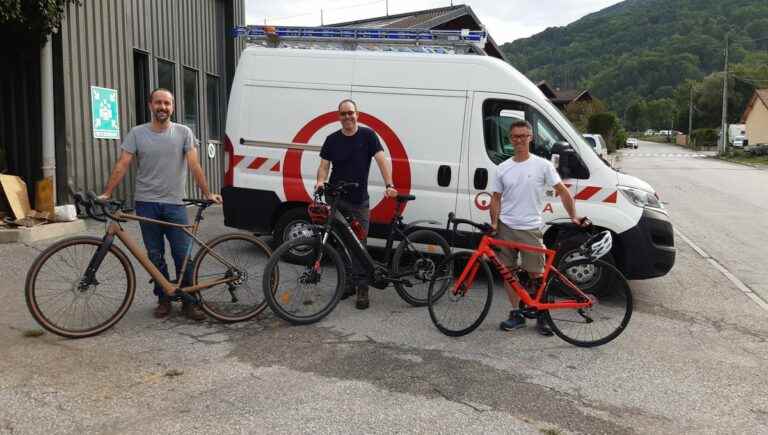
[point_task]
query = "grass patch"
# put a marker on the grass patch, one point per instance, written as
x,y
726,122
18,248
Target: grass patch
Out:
x,y
550,431
750,160
172,373
33,333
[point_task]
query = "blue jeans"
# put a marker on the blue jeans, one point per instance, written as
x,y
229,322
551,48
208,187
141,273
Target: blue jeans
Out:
x,y
154,236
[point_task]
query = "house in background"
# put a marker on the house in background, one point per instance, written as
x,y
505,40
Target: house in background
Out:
x,y
756,118
448,18
562,98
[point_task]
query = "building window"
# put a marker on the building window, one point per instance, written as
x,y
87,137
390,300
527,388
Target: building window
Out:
x,y
166,78
213,109
141,86
190,100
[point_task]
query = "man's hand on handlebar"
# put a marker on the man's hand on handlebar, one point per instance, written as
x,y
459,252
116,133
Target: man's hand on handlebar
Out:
x,y
215,197
583,222
390,192
319,187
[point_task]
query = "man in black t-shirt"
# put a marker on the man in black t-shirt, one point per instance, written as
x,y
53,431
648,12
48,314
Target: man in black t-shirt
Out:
x,y
349,150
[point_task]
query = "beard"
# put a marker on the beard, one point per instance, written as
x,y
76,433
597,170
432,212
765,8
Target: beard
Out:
x,y
161,115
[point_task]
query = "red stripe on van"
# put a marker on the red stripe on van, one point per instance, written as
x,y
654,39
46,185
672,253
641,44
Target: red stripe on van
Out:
x,y
257,162
612,198
587,193
276,167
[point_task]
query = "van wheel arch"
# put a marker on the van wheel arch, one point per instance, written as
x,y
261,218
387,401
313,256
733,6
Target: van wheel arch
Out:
x,y
287,214
566,244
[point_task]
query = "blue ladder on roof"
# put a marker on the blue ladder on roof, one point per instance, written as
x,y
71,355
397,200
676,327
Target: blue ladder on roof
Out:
x,y
478,37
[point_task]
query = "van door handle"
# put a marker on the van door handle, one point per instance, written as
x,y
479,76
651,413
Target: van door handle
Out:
x,y
444,175
481,178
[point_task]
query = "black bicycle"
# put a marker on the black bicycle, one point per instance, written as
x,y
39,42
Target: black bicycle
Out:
x,y
303,289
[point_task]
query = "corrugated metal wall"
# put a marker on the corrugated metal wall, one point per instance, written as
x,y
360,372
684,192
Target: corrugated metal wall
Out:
x,y
99,40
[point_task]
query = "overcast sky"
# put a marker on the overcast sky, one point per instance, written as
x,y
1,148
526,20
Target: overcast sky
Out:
x,y
506,20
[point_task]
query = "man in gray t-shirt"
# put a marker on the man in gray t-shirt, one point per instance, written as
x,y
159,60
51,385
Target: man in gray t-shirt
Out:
x,y
163,151
161,172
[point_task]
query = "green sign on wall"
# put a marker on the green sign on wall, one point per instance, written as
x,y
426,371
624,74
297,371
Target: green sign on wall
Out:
x,y
104,113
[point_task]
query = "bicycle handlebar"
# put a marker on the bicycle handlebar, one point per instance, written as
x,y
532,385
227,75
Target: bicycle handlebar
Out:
x,y
335,189
488,229
452,219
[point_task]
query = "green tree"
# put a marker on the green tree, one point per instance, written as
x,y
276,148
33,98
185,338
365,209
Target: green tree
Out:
x,y
636,117
578,112
29,22
607,124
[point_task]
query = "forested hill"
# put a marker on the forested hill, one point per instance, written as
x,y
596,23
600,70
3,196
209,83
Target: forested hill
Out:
x,y
644,49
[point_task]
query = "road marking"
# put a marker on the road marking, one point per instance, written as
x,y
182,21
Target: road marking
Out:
x,y
692,155
731,277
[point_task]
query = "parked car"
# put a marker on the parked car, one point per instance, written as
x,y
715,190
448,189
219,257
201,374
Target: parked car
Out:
x,y
739,142
597,143
632,143
651,132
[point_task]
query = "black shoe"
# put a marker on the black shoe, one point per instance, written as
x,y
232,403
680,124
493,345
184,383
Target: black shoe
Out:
x,y
541,326
362,298
515,321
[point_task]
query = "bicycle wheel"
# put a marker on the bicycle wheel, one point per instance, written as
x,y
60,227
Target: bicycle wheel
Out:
x,y
588,327
243,298
303,290
63,301
459,311
416,260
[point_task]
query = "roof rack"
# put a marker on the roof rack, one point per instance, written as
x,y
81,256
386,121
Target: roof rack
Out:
x,y
366,39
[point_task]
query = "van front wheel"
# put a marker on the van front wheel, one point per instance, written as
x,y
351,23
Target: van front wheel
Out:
x,y
587,276
292,224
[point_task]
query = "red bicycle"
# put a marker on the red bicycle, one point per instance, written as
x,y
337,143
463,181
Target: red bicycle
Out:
x,y
458,305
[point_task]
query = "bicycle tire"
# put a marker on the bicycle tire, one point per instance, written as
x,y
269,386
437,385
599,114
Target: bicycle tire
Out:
x,y
610,313
425,264
281,270
225,302
442,301
115,259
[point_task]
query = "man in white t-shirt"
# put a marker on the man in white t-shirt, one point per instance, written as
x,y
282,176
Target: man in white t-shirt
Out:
x,y
518,188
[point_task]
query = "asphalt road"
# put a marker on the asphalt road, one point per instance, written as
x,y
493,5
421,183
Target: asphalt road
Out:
x,y
691,361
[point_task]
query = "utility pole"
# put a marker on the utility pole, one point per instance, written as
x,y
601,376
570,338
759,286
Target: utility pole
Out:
x,y
387,6
723,124
690,117
321,17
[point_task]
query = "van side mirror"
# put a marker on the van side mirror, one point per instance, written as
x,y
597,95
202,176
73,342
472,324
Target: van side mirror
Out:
x,y
569,164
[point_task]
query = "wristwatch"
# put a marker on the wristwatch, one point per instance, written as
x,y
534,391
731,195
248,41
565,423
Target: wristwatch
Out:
x,y
389,186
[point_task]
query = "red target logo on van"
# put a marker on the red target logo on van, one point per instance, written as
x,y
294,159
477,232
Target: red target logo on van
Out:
x,y
483,201
293,185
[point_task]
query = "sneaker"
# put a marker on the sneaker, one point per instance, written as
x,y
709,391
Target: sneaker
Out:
x,y
163,308
193,312
541,326
362,298
515,321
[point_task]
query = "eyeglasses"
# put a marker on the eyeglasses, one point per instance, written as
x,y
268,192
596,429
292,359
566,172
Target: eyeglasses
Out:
x,y
519,136
348,113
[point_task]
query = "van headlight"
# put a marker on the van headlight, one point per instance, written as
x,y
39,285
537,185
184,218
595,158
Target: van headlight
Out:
x,y
641,198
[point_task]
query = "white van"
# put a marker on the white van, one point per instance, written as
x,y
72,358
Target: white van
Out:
x,y
443,121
